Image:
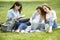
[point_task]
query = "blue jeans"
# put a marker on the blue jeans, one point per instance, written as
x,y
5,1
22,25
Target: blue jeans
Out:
x,y
18,23
22,26
52,23
55,25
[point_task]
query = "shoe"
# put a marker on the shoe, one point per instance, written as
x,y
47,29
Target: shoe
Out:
x,y
22,31
17,31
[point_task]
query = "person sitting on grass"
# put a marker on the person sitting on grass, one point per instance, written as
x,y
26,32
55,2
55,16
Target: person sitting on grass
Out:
x,y
14,14
50,18
38,19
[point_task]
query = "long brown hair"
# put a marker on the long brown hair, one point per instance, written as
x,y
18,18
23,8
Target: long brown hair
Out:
x,y
46,6
43,13
17,4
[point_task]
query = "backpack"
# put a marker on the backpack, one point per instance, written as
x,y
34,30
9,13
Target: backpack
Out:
x,y
7,26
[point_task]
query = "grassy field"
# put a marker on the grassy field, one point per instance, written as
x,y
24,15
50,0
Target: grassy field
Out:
x,y
55,35
28,9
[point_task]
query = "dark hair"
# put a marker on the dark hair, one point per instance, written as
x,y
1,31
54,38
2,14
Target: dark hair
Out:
x,y
46,6
17,4
43,13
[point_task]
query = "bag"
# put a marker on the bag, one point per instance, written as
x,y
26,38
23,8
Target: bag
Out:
x,y
7,26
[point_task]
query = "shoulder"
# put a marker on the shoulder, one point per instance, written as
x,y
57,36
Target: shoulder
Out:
x,y
53,11
10,11
35,13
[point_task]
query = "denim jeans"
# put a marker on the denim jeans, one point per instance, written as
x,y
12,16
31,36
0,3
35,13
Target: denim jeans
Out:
x,y
55,25
18,22
48,26
22,26
51,23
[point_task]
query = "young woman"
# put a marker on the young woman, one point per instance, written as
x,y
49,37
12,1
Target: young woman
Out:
x,y
14,11
14,14
50,18
38,19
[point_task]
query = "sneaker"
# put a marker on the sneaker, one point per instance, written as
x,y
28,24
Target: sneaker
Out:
x,y
22,31
28,29
17,31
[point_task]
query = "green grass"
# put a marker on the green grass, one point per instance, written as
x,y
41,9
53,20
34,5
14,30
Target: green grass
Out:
x,y
28,9
55,35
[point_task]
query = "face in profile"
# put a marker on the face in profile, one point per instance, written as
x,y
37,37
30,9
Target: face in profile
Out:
x,y
45,9
38,11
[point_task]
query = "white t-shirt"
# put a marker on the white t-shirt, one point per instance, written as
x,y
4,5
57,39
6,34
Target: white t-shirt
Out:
x,y
36,18
51,16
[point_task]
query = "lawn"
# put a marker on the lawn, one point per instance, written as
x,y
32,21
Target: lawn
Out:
x,y
28,9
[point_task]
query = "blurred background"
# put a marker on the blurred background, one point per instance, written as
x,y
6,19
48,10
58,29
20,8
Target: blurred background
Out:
x,y
29,6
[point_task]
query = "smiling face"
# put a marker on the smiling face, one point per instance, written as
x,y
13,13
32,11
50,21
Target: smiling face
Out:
x,y
46,9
